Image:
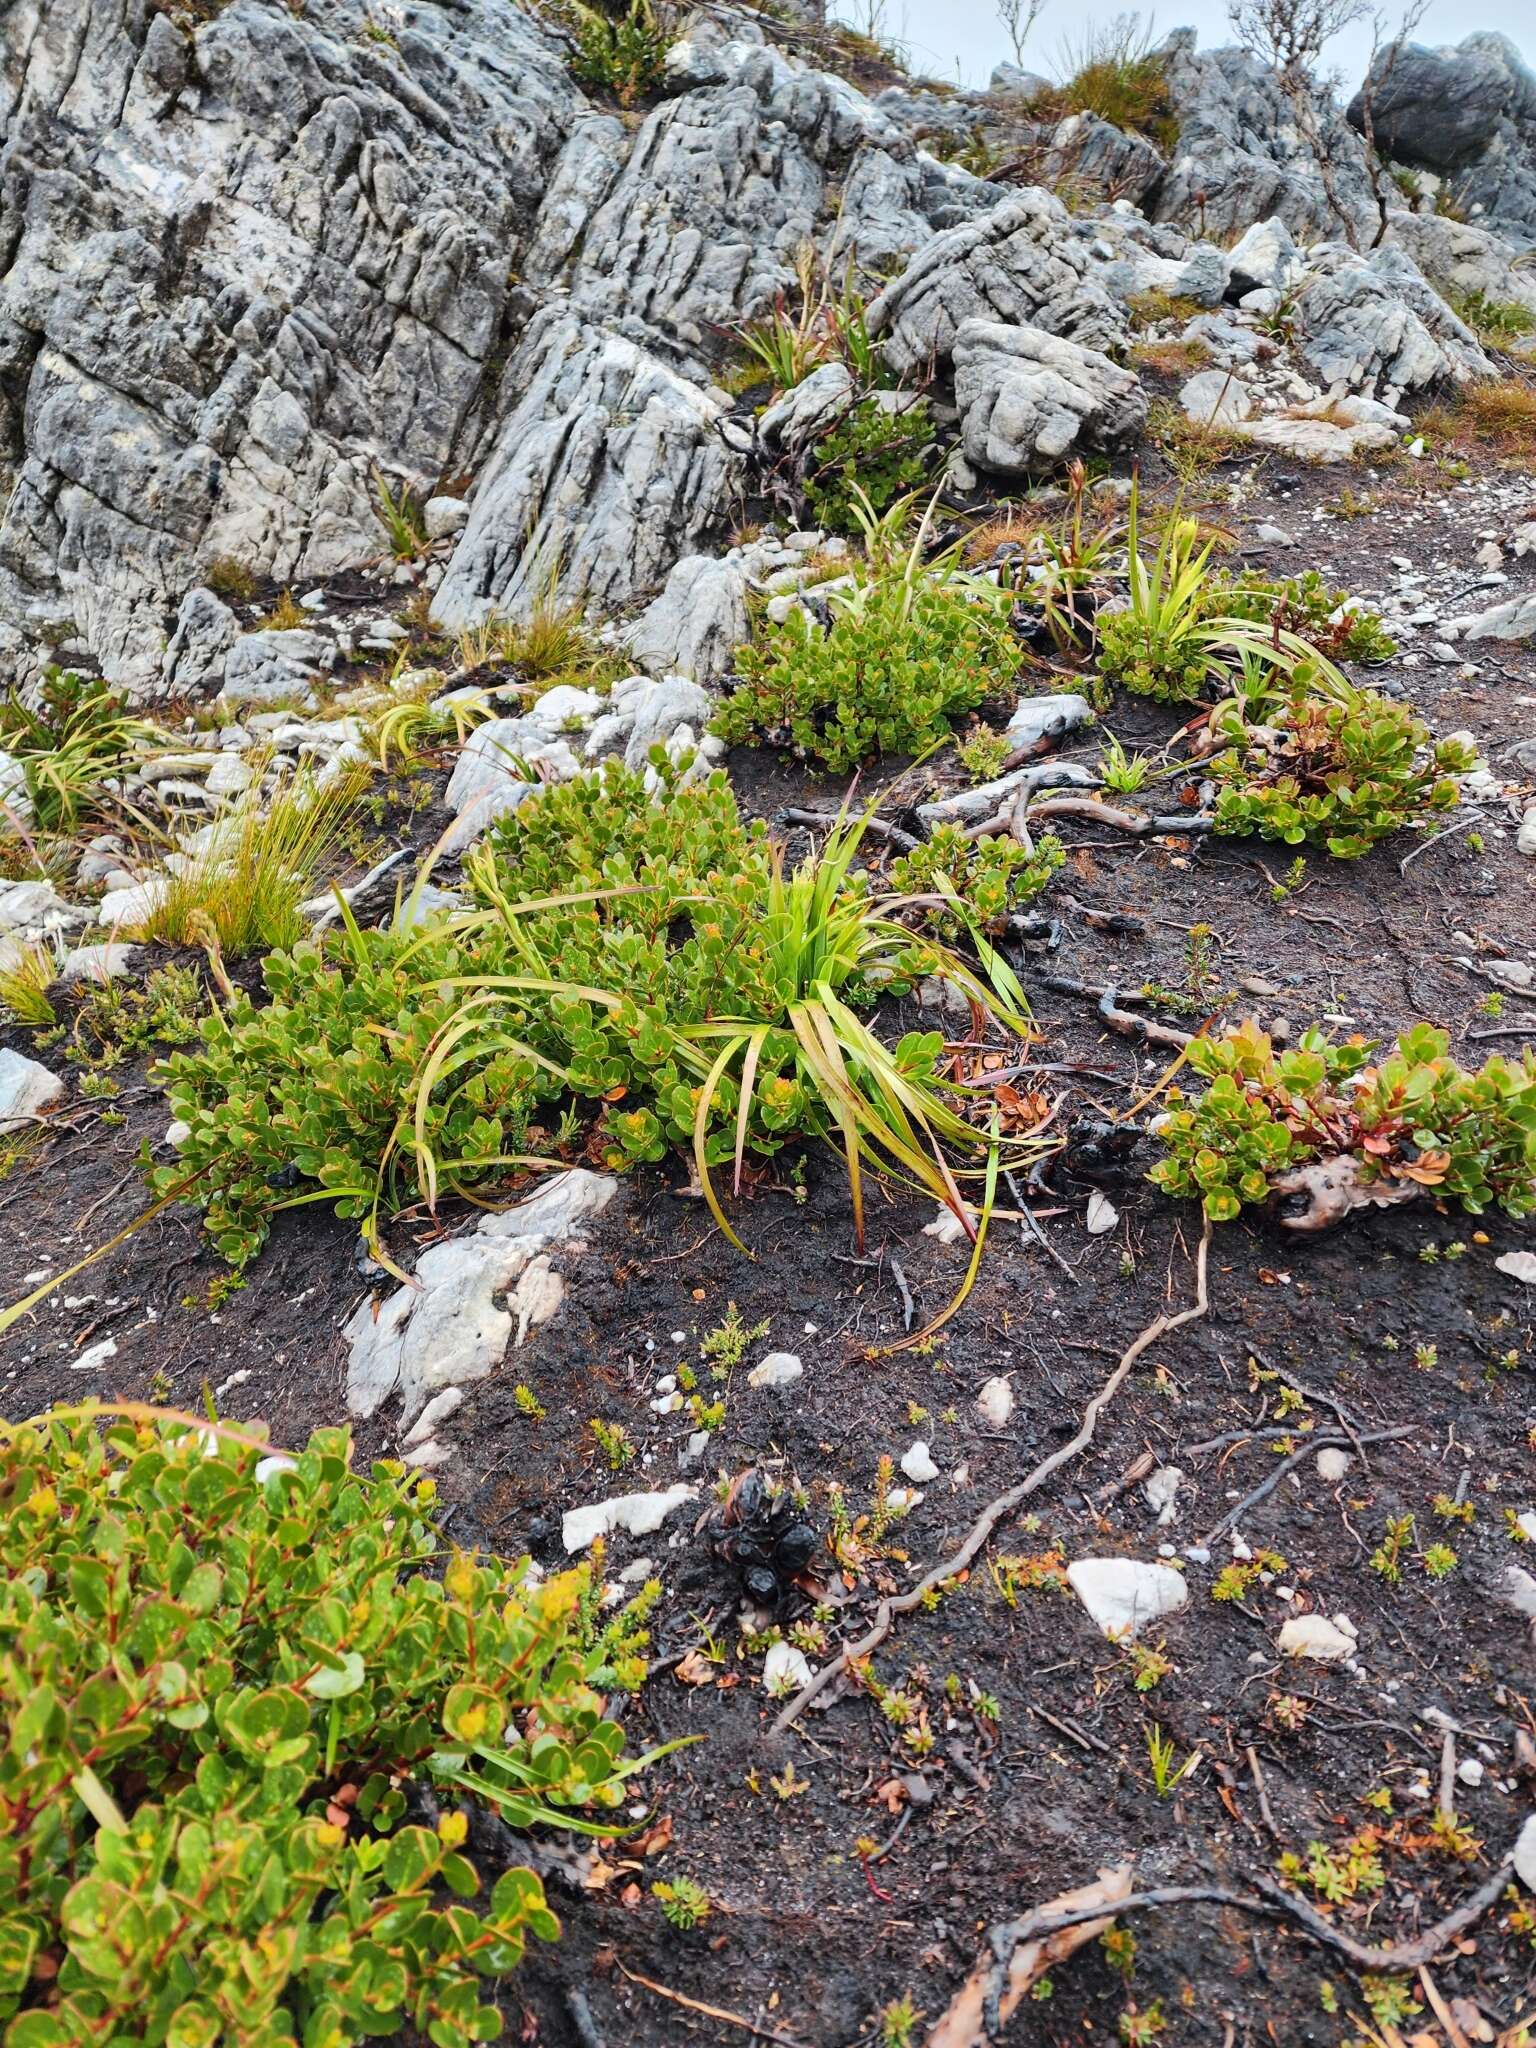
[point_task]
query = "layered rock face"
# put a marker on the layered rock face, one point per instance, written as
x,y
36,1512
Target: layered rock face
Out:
x,y
256,264
1466,113
240,266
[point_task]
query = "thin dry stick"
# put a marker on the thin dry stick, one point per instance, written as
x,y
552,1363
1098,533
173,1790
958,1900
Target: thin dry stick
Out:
x,y
1005,1503
1275,1903
713,2012
1259,1786
1233,1516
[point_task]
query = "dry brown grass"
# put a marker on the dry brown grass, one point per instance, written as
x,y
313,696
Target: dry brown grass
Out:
x,y
1020,525
1497,413
1171,358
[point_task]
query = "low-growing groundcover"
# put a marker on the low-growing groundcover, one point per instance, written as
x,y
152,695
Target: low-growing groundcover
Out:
x,y
219,1674
1343,770
1417,1116
903,655
649,965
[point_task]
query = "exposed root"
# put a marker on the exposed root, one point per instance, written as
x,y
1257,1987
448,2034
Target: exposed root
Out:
x,y
1274,1903
1005,1503
1333,1188
1139,824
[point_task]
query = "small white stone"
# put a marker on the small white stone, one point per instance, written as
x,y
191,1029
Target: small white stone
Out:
x,y
785,1669
637,1514
1161,1493
437,1410
1519,1266
1332,1464
277,1461
97,1355
1470,1771
1123,1594
778,1369
1315,1636
917,1463
994,1401
1102,1214
1525,1853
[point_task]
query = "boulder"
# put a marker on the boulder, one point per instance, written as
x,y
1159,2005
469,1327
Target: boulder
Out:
x,y
609,466
808,409
1362,322
695,626
26,1089
1444,108
1265,258
1215,398
205,630
1021,264
1026,398
274,667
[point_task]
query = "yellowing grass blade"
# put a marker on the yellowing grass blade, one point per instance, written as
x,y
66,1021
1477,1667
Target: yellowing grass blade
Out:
x,y
701,1137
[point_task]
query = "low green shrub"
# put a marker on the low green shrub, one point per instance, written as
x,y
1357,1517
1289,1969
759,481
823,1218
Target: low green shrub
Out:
x,y
1500,321
1343,771
880,452
1304,605
316,1095
73,748
621,50
221,1675
981,880
902,657
649,962
1469,1136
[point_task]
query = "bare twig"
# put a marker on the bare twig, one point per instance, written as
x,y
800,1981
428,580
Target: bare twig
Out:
x,y
1274,1902
1139,824
1005,1503
1028,1220
712,2012
1260,1788
876,828
1233,1516
1470,817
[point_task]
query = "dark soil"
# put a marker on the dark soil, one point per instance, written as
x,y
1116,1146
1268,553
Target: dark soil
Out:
x,y
1397,1319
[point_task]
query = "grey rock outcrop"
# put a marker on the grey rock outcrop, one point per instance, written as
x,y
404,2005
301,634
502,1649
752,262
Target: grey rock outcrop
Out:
x,y
610,466
694,627
1243,155
1027,398
240,264
1467,113
1361,323
1021,264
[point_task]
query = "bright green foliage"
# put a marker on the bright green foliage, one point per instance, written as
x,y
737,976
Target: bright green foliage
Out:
x,y
198,1665
1342,771
983,879
72,747
903,656
1415,1116
1307,607
1500,321
651,959
320,1089
879,451
622,52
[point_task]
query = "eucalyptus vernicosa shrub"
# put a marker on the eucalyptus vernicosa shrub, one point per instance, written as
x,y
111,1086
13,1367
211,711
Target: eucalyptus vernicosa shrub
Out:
x,y
646,958
1343,770
221,1674
902,657
1466,1134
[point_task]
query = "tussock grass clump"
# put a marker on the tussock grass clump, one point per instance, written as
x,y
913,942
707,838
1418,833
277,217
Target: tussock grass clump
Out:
x,y
905,653
240,893
1495,412
1114,72
74,747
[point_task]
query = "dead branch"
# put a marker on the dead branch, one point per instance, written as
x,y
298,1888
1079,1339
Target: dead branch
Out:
x,y
713,2012
961,2024
1140,824
1233,1516
1005,1503
1273,1902
877,828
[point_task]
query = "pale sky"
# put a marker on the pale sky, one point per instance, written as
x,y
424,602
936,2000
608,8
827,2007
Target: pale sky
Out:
x,y
963,39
